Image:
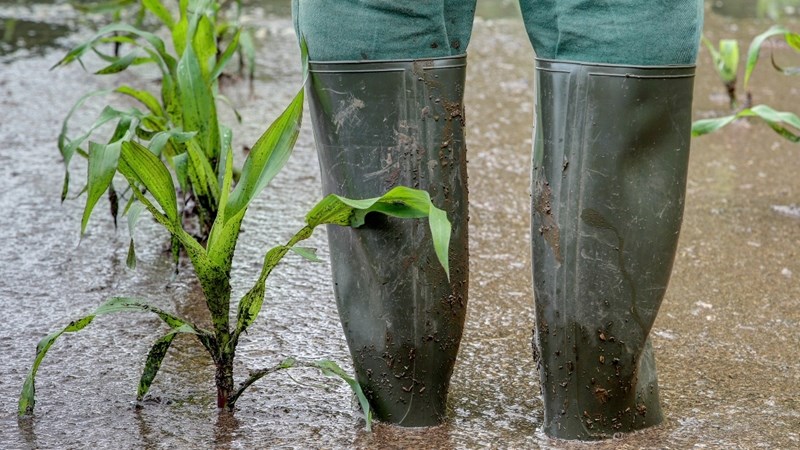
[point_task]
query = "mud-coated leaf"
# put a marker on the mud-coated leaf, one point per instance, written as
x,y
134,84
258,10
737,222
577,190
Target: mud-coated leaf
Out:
x,y
154,358
133,214
102,167
153,363
119,64
117,304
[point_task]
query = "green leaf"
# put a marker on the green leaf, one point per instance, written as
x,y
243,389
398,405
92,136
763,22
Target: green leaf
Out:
x,y
117,304
401,202
729,59
155,357
705,126
775,119
226,56
250,305
159,10
268,156
140,166
146,98
102,167
197,100
755,49
134,212
160,139
155,42
248,50
270,153
307,253
205,46
330,368
119,64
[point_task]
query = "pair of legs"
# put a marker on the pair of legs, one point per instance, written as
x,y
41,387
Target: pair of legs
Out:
x,y
613,110
635,32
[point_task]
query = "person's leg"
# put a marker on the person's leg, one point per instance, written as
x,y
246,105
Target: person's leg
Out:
x,y
632,32
354,30
613,117
385,98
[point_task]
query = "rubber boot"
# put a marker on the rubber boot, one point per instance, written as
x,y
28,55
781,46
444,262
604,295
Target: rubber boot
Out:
x,y
610,158
378,125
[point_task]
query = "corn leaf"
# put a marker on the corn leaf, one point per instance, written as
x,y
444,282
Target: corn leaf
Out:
x,y
146,98
270,152
159,10
139,165
27,398
793,39
401,201
777,120
330,368
102,167
198,111
226,56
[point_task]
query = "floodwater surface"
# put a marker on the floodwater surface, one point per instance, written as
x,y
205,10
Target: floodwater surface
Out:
x,y
727,338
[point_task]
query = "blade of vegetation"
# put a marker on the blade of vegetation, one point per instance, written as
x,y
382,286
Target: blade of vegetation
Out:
x,y
226,56
270,152
330,368
102,167
27,398
402,202
159,10
307,253
146,98
133,214
777,120
155,357
120,64
793,39
199,110
138,164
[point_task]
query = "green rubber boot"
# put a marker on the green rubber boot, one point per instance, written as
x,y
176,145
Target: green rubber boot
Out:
x,y
378,125
610,158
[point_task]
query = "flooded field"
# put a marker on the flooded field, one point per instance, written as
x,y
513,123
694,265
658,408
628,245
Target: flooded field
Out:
x,y
727,338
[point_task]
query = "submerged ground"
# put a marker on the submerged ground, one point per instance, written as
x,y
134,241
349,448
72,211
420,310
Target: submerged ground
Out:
x,y
727,338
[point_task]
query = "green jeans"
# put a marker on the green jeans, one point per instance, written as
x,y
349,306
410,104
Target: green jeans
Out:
x,y
634,32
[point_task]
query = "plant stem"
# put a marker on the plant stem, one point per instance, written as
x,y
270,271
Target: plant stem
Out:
x,y
224,380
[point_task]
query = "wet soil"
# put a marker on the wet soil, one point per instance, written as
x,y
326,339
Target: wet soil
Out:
x,y
727,339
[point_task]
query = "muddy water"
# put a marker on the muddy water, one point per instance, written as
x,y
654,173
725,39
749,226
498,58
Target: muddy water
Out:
x,y
727,338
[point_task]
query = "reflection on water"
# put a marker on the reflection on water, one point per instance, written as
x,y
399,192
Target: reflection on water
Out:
x,y
726,338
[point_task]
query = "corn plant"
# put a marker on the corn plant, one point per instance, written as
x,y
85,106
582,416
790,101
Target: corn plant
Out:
x,y
151,185
180,124
786,124
726,64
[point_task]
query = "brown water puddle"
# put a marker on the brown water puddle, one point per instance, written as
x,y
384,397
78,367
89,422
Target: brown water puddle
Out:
x,y
726,339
